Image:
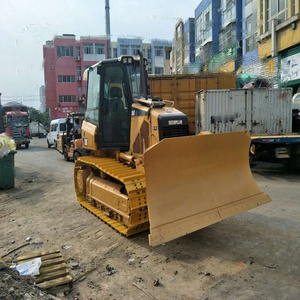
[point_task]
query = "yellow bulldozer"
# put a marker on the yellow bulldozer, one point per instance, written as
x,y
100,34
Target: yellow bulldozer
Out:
x,y
147,172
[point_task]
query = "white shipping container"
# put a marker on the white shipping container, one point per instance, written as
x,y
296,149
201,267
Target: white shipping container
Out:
x,y
260,110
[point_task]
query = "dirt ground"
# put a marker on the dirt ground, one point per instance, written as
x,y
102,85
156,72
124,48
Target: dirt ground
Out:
x,y
254,255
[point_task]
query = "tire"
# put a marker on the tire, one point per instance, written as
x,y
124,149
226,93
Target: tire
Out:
x,y
48,143
76,155
66,157
55,144
27,145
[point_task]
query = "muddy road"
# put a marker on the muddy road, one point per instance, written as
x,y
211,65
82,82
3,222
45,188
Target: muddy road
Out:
x,y
254,255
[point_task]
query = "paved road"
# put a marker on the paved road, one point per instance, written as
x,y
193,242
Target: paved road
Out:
x,y
254,255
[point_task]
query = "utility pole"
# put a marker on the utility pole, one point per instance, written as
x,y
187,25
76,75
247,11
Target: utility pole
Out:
x,y
107,18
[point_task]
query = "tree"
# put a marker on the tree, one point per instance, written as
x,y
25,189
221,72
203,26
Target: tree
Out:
x,y
35,115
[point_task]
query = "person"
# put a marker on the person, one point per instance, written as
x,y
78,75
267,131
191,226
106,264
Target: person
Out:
x,y
69,125
77,126
77,130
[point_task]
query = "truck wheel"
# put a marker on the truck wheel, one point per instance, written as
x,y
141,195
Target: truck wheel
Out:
x,y
48,144
27,145
55,144
66,157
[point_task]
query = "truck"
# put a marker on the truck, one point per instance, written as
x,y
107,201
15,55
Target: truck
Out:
x,y
37,130
16,123
147,172
265,112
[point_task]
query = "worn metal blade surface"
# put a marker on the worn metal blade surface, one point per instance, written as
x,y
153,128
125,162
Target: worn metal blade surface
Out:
x,y
193,182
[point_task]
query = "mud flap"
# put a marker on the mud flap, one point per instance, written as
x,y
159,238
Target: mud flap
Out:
x,y
193,182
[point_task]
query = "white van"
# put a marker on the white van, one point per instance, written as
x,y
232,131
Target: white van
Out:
x,y
57,126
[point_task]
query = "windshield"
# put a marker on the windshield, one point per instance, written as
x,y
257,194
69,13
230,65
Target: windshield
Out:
x,y
17,121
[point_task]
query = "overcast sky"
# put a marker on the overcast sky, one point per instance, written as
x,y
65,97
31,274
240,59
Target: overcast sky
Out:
x,y
25,26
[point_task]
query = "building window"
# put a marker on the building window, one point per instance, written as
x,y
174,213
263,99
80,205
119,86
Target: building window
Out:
x,y
78,52
66,78
78,71
149,53
227,37
88,48
228,11
124,49
251,43
204,25
100,48
158,50
115,52
64,51
135,49
159,70
67,98
168,54
276,9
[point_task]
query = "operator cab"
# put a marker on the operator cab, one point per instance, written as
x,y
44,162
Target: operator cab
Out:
x,y
112,86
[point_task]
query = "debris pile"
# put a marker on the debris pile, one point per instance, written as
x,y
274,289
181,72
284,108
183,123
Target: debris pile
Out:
x,y
14,286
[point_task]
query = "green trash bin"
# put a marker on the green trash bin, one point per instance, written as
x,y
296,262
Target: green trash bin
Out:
x,y
7,171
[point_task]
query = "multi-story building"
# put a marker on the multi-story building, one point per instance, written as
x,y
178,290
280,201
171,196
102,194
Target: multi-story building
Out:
x,y
65,60
183,53
207,28
279,40
228,57
129,46
160,61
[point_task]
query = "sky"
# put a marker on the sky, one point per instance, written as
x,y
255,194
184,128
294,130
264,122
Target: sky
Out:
x,y
26,25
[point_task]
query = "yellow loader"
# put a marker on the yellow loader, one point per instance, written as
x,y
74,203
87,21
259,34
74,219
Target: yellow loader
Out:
x,y
147,172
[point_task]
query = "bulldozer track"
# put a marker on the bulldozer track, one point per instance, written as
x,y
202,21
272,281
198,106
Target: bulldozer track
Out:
x,y
135,184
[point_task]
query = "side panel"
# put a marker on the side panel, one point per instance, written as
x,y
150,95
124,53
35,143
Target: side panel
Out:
x,y
261,111
88,133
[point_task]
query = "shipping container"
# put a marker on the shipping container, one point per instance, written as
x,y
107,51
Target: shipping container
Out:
x,y
265,113
261,110
181,89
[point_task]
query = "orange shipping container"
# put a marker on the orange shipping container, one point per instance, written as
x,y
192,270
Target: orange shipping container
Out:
x,y
181,89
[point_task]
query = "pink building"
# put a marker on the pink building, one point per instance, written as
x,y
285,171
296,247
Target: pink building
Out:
x,y
65,60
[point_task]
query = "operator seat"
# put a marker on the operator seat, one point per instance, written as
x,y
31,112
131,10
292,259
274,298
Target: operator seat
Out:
x,y
116,104
117,114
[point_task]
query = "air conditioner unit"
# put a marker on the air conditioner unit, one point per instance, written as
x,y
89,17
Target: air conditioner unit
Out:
x,y
78,58
78,78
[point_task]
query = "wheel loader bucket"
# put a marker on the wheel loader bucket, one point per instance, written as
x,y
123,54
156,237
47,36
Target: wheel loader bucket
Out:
x,y
195,181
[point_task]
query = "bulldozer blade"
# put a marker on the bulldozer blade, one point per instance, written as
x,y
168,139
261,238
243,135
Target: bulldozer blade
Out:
x,y
195,181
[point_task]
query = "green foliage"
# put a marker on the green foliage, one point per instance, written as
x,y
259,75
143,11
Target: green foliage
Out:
x,y
36,115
